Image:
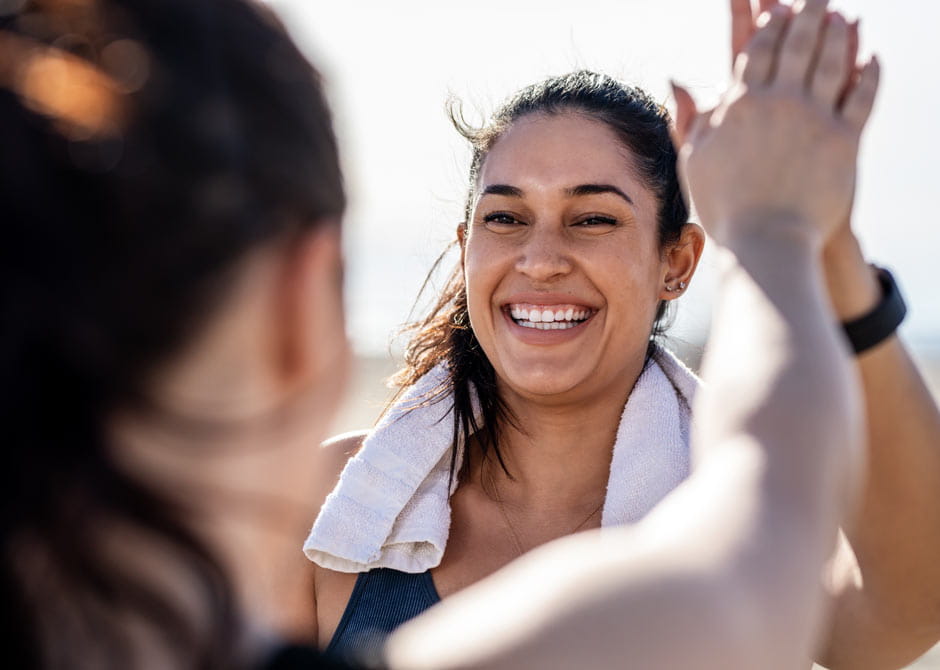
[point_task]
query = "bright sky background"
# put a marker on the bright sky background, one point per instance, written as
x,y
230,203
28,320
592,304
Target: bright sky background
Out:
x,y
390,67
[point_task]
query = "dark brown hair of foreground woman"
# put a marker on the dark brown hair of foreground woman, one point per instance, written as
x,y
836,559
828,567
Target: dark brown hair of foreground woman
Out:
x,y
148,146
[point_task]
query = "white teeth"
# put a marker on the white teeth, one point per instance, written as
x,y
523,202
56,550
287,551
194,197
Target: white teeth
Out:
x,y
556,325
549,318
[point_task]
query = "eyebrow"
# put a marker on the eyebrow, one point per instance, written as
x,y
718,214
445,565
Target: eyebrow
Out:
x,y
574,191
502,189
593,189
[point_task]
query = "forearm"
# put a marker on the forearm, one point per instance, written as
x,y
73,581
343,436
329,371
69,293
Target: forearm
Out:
x,y
591,600
796,392
887,606
887,609
796,399
896,537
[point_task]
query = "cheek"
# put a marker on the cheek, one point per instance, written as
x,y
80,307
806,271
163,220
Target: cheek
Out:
x,y
633,282
481,268
478,307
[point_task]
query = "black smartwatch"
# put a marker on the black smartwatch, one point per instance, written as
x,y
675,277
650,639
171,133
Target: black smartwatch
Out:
x,y
881,322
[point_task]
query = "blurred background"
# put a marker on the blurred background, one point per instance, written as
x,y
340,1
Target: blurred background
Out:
x,y
390,68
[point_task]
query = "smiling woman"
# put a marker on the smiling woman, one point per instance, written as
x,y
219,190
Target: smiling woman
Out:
x,y
545,178
553,231
576,238
535,402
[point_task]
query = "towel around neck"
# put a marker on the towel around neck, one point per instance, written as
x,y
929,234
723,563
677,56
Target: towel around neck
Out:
x,y
391,507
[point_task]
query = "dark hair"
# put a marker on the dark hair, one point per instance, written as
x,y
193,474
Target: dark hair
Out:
x,y
148,146
445,334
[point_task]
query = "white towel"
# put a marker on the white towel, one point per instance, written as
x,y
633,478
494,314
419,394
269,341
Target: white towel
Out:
x,y
391,507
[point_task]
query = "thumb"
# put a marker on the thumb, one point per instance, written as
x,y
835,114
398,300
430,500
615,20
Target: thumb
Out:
x,y
686,113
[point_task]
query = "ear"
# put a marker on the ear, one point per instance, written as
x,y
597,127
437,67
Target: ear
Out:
x,y
680,260
311,333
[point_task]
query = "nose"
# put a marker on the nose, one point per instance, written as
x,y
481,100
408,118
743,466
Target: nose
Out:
x,y
544,255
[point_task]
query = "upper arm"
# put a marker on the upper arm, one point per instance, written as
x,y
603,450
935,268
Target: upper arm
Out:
x,y
334,454
886,585
865,633
619,592
613,598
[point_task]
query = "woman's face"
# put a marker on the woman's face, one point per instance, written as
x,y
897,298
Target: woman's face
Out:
x,y
561,259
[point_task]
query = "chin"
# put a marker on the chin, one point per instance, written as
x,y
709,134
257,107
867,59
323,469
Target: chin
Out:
x,y
542,381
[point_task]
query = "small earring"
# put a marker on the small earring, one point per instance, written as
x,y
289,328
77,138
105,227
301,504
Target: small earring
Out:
x,y
682,285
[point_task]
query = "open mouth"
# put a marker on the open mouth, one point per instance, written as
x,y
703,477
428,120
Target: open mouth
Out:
x,y
549,317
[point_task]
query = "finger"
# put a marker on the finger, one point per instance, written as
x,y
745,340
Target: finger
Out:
x,y
686,114
755,65
687,124
767,5
853,41
855,69
742,26
800,44
861,98
827,79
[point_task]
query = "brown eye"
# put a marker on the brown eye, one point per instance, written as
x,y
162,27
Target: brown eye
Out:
x,y
592,221
501,219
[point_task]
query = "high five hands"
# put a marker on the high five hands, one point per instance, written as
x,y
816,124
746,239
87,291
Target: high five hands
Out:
x,y
782,143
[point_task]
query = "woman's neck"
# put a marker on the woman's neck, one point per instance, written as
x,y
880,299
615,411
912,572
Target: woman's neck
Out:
x,y
559,453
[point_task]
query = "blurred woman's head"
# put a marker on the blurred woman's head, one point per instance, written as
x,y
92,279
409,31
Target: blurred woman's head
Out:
x,y
170,196
575,238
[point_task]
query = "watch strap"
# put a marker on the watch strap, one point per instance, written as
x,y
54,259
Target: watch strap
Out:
x,y
880,323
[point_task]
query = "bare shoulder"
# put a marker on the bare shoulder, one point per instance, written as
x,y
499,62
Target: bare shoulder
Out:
x,y
350,441
335,453
337,450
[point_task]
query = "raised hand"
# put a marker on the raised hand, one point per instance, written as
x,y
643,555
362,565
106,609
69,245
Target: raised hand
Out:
x,y
745,15
783,141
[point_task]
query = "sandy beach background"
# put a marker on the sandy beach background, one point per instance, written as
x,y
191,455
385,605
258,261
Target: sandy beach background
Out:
x,y
368,394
